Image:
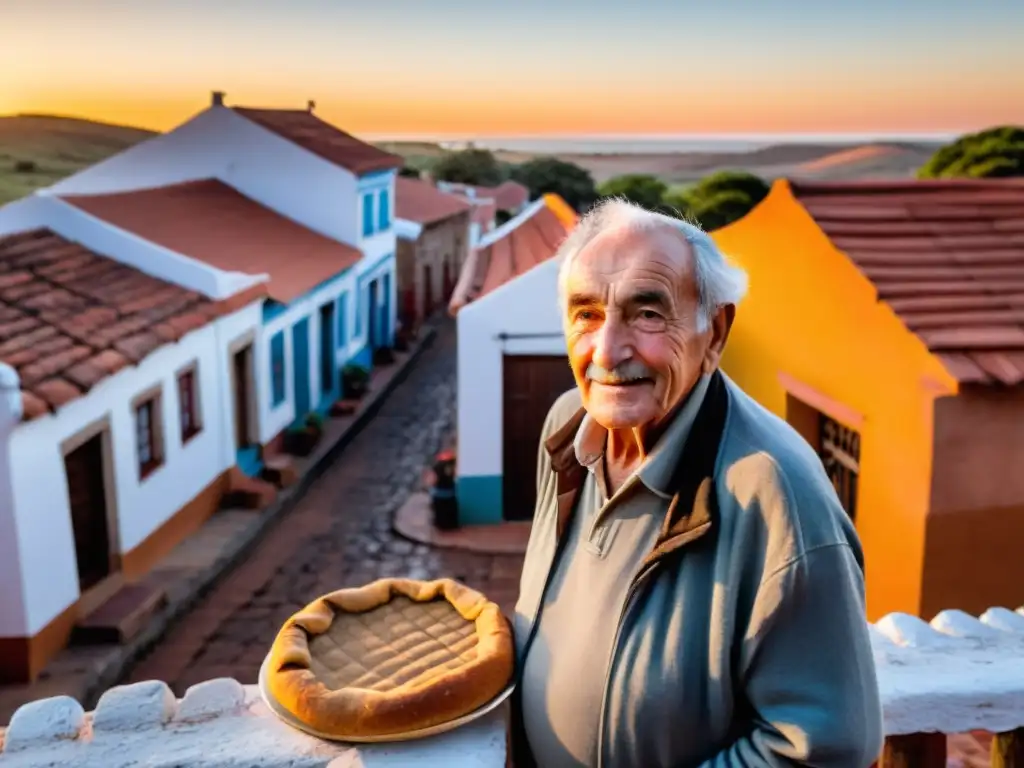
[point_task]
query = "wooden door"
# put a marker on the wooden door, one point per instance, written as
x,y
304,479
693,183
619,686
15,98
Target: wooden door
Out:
x,y
531,384
300,364
428,291
373,317
88,502
242,371
327,357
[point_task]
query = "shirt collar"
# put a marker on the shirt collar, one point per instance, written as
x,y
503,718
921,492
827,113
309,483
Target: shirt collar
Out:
x,y
659,466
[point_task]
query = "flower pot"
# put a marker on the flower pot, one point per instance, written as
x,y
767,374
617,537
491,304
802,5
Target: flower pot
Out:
x,y
301,442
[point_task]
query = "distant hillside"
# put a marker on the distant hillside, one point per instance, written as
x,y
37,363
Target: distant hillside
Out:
x,y
37,150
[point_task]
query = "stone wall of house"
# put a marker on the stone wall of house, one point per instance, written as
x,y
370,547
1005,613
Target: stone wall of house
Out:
x,y
976,518
440,250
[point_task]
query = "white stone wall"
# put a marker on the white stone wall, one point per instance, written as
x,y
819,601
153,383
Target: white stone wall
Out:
x,y
526,307
218,724
955,674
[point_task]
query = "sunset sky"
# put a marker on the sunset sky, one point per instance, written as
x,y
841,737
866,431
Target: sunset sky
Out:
x,y
456,68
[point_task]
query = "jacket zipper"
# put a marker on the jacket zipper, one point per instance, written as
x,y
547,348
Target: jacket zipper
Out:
x,y
638,581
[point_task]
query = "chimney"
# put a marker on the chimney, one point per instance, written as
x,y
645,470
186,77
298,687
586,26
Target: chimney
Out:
x,y
217,99
310,105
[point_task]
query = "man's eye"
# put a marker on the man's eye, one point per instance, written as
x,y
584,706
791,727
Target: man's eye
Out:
x,y
649,314
585,314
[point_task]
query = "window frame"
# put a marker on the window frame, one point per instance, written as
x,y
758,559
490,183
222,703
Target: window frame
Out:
x,y
368,217
150,403
191,374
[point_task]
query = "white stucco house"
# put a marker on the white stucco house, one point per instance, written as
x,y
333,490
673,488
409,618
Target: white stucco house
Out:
x,y
116,405
512,365
275,192
251,256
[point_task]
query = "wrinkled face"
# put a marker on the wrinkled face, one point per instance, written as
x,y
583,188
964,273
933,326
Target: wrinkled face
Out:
x,y
631,326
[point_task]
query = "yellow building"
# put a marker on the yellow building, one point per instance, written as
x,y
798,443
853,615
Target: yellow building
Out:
x,y
885,321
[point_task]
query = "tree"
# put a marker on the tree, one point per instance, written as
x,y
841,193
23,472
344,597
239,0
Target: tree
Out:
x,y
642,189
720,198
996,152
543,175
469,166
409,172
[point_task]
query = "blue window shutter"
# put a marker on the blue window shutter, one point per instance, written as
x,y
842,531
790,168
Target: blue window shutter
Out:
x,y
277,368
384,209
342,311
367,214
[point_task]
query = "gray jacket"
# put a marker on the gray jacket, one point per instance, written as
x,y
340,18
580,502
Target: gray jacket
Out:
x,y
743,641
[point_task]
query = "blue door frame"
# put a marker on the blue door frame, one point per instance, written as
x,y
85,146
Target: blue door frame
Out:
x,y
328,358
300,357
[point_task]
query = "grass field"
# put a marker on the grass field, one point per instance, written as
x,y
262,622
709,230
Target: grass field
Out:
x,y
37,150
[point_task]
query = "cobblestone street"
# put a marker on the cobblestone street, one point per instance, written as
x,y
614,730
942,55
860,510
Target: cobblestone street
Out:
x,y
338,535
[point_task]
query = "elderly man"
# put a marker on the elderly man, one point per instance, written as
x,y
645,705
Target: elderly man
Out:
x,y
693,592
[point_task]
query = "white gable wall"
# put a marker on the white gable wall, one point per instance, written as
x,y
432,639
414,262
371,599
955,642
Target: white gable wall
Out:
x,y
38,484
219,143
526,305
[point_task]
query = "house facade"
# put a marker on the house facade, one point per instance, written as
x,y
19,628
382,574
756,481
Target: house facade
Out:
x,y
882,324
433,231
512,366
116,401
511,360
316,205
509,198
513,248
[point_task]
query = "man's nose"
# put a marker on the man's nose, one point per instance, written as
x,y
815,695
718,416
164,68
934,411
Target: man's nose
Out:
x,y
611,344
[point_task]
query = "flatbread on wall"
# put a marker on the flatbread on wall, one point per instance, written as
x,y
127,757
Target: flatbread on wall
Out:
x,y
392,657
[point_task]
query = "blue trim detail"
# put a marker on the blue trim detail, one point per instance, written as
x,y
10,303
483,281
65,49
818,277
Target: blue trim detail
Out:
x,y
480,501
377,174
367,213
272,309
363,358
342,319
249,461
384,210
277,369
300,353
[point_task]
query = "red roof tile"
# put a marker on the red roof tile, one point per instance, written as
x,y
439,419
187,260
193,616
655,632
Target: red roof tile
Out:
x,y
424,203
69,317
308,131
946,255
522,243
211,222
507,196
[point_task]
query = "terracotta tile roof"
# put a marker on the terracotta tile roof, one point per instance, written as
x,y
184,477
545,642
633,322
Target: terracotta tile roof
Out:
x,y
508,196
70,317
215,224
424,203
946,255
510,250
305,129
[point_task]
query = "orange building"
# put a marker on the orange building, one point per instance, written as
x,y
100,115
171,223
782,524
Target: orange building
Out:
x,y
885,321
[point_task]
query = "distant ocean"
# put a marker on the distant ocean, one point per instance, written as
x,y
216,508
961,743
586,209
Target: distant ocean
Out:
x,y
672,144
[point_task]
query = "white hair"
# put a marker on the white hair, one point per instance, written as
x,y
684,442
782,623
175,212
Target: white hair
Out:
x,y
718,281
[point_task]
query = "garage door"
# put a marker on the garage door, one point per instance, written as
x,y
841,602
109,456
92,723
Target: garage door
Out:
x,y
531,384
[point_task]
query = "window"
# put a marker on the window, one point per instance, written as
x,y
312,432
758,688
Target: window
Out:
x,y
840,453
342,313
148,447
277,368
383,210
188,405
367,214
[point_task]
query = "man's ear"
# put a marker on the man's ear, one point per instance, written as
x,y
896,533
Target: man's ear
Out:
x,y
721,324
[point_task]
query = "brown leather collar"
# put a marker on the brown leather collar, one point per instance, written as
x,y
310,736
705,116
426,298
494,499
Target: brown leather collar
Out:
x,y
691,512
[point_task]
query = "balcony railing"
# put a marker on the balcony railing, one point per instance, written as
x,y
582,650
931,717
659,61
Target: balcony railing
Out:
x,y
955,675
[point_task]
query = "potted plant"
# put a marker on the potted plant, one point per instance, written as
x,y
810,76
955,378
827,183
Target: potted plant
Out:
x,y
383,356
355,381
301,439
